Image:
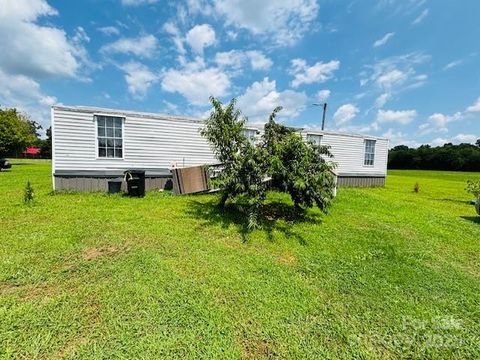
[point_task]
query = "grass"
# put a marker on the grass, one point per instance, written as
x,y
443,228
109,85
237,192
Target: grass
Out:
x,y
387,274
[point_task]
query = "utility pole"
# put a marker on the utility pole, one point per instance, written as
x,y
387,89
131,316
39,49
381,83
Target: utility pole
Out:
x,y
324,113
323,118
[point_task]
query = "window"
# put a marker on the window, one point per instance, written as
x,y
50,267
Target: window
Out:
x,y
109,137
251,135
314,139
369,153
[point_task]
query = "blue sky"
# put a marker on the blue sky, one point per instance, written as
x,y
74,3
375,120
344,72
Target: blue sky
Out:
x,y
405,69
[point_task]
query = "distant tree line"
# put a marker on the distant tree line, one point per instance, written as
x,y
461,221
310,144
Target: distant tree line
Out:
x,y
18,131
462,157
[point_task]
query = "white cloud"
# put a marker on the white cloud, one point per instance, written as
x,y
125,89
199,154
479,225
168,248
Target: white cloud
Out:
x,y
391,78
109,30
177,39
396,73
232,58
195,82
31,49
143,46
232,35
137,2
439,142
237,58
319,72
285,21
401,117
199,7
25,94
465,138
258,60
474,108
452,64
457,139
397,137
382,100
322,95
437,122
345,114
382,41
32,52
421,17
139,79
262,97
200,37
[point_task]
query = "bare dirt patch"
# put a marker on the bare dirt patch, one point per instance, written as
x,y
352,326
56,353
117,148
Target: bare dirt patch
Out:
x,y
93,253
29,292
287,259
257,349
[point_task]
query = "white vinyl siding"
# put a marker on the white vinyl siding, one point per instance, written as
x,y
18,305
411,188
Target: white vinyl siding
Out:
x,y
251,135
314,139
148,143
369,158
349,154
152,141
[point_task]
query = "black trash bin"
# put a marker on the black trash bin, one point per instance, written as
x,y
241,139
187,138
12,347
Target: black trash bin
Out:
x,y
135,182
114,186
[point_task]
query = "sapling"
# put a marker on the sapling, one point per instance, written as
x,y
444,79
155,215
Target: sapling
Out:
x,y
28,193
416,187
473,187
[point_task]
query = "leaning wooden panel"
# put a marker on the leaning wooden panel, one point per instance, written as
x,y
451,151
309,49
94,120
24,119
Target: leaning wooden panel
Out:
x,y
190,180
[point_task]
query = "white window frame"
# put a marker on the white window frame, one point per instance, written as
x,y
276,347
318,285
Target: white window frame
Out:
x,y
96,138
372,153
255,132
317,136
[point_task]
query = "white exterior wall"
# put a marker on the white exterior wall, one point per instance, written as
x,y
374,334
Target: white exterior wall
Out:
x,y
148,142
152,141
349,153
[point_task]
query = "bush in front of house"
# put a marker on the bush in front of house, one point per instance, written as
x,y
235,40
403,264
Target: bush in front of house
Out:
x,y
295,166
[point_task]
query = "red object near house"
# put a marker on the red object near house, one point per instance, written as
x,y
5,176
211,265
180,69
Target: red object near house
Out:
x,y
32,151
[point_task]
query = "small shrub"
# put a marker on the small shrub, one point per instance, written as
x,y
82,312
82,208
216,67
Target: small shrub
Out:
x,y
28,193
416,187
473,187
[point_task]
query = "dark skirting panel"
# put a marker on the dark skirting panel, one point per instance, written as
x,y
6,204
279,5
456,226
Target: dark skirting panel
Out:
x,y
360,181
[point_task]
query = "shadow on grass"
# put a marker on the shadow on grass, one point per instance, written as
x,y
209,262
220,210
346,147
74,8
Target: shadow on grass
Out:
x,y
474,219
465,202
275,216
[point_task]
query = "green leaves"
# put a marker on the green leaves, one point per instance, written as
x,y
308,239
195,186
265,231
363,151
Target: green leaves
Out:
x,y
16,132
294,165
473,187
299,167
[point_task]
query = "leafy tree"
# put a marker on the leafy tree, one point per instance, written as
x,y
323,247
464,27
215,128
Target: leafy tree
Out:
x,y
34,126
462,157
473,187
244,168
295,166
478,142
16,132
46,144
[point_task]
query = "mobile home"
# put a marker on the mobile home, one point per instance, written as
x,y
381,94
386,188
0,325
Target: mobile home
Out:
x,y
93,146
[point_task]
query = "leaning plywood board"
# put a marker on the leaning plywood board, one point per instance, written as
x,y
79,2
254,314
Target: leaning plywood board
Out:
x,y
190,180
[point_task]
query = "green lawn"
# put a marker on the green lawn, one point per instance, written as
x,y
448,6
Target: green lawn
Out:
x,y
387,274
